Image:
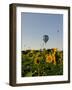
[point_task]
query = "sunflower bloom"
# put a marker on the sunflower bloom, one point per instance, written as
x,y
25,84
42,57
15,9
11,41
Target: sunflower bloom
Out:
x,y
54,49
48,58
54,59
37,60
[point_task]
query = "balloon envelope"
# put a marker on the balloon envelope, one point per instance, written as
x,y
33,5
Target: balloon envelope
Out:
x,y
45,38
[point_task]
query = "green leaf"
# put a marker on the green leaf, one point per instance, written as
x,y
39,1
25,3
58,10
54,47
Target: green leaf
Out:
x,y
29,74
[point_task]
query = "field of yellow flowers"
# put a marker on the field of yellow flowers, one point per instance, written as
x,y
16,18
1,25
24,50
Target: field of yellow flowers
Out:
x,y
46,62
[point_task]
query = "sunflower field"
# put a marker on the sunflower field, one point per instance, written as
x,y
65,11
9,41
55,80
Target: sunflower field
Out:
x,y
46,62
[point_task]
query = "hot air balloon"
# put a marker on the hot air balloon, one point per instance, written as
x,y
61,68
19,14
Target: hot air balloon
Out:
x,y
45,38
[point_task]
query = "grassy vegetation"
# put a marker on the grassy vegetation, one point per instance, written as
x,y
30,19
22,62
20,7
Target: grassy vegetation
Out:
x,y
42,62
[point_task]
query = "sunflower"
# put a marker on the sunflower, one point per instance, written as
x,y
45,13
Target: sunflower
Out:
x,y
53,59
54,50
37,60
48,58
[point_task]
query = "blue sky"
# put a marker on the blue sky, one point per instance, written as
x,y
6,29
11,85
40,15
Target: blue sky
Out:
x,y
35,25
